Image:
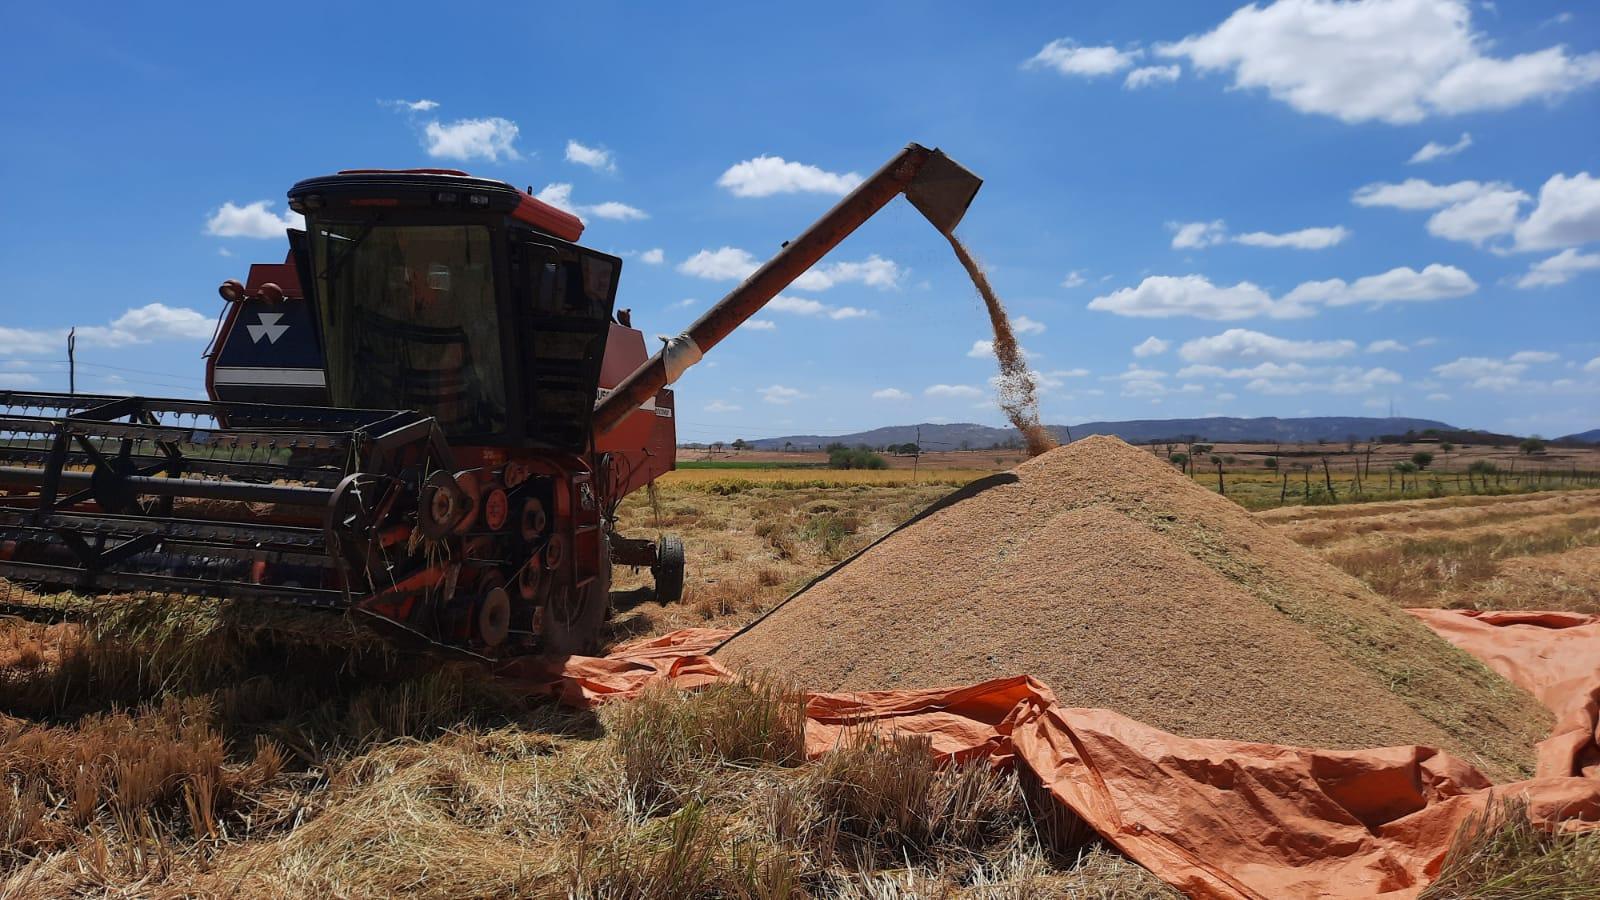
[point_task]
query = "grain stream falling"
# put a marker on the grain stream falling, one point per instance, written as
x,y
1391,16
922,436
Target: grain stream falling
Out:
x,y
1017,388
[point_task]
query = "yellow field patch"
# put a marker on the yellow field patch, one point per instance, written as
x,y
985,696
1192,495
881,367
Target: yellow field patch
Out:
x,y
788,477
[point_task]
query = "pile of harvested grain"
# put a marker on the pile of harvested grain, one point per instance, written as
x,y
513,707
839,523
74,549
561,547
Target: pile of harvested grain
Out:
x,y
1120,583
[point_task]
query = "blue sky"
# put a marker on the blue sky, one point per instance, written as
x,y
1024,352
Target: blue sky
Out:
x,y
1192,208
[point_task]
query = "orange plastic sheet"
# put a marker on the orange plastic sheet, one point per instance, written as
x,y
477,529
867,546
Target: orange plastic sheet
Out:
x,y
1224,819
587,681
1555,656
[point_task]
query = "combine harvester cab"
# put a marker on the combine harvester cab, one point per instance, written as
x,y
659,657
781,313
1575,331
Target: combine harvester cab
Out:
x,y
429,414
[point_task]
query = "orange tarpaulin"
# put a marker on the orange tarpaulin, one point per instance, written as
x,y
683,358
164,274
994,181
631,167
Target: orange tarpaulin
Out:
x,y
1213,818
1555,656
586,681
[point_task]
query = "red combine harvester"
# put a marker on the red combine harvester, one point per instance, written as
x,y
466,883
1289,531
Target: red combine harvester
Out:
x,y
428,415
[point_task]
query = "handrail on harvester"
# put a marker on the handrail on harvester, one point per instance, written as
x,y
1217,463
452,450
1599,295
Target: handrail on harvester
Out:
x,y
939,187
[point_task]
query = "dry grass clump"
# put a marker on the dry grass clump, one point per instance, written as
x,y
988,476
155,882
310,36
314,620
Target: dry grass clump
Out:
x,y
667,739
1501,855
163,765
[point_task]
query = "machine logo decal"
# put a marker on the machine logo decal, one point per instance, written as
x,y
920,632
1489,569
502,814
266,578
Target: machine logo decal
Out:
x,y
269,328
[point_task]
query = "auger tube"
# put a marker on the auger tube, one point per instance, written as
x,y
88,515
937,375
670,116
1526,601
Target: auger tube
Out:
x,y
934,183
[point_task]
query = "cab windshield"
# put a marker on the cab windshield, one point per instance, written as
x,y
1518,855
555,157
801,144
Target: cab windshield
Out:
x,y
409,321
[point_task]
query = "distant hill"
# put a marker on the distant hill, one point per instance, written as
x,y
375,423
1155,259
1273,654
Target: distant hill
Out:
x,y
1592,436
1215,429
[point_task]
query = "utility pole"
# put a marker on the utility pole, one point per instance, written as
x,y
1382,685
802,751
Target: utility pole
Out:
x,y
916,458
72,362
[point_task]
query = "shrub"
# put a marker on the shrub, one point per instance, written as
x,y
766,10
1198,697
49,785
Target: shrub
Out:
x,y
846,458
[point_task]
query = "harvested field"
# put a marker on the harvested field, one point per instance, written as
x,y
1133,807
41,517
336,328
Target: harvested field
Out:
x,y
1415,517
1120,583
1510,552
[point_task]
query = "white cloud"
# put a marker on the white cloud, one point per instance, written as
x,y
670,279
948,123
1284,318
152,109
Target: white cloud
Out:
x,y
1592,365
685,303
733,263
1074,279
1568,214
1194,235
965,391
655,256
559,195
1069,58
1336,380
490,138
596,158
224,251
1151,346
1386,346
620,212
1394,61
890,394
981,350
29,341
1483,373
138,325
1146,76
803,306
1416,193
1025,325
154,322
768,175
1439,398
797,305
1490,214
1559,269
781,394
874,272
1432,151
722,264
1534,356
717,406
1244,344
17,379
412,105
1304,239
1401,284
760,325
253,220
1165,296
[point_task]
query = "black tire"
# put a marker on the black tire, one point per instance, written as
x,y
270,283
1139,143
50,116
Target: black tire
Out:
x,y
668,570
578,632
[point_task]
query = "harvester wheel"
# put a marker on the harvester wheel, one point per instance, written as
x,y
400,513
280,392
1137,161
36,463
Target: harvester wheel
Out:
x,y
668,570
492,612
572,628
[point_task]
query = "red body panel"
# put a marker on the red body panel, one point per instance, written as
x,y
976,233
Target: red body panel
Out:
x,y
644,445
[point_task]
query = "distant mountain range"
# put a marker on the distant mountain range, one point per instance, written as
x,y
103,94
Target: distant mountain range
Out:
x,y
1214,429
1592,436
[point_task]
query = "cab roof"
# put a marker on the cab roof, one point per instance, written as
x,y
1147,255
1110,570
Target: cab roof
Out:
x,y
431,188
